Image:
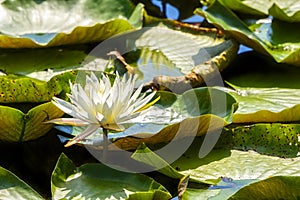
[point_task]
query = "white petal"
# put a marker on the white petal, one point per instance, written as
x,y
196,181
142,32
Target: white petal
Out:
x,y
88,131
65,106
68,121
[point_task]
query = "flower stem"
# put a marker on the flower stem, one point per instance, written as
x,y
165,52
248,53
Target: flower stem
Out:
x,y
105,144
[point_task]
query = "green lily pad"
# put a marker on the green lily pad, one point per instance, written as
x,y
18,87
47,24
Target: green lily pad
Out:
x,y
36,23
250,7
24,61
265,35
22,118
245,174
249,69
242,172
99,181
12,187
145,155
228,171
271,139
242,165
279,187
19,89
284,10
173,58
265,104
19,127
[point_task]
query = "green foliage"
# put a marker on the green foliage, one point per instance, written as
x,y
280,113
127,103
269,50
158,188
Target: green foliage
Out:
x,y
22,119
99,181
78,22
272,139
265,104
191,114
13,188
257,153
260,33
279,187
17,89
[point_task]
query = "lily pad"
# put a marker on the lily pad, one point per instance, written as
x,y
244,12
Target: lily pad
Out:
x,y
249,69
245,174
18,89
99,181
272,139
24,61
19,127
11,187
54,23
228,171
279,187
264,35
242,165
265,104
284,10
22,118
172,57
250,7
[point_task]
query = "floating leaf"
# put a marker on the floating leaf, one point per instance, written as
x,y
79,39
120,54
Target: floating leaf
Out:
x,y
22,119
19,127
100,181
36,24
145,155
264,35
11,187
286,10
241,165
266,104
254,69
280,187
24,61
171,57
192,54
17,89
223,190
227,170
271,139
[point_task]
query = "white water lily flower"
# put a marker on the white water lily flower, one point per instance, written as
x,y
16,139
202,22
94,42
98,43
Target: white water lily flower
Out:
x,y
100,104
